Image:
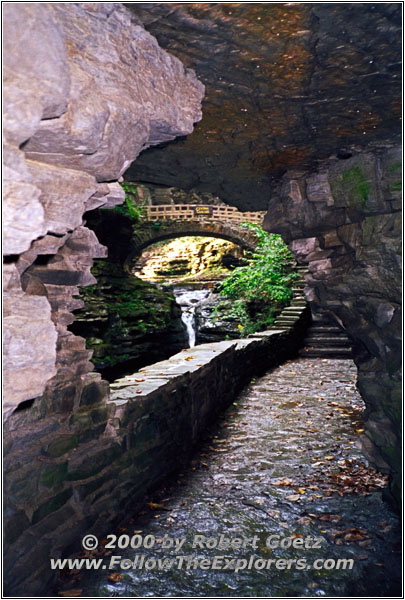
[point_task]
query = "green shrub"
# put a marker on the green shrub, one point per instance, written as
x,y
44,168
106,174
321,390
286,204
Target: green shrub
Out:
x,y
131,207
261,288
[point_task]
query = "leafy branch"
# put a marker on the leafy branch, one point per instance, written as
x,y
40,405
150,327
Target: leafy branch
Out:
x,y
132,207
261,288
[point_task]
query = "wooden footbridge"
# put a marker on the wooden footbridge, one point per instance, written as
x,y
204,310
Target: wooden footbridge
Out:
x,y
198,212
167,221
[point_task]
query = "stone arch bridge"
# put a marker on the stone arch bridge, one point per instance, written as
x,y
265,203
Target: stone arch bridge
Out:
x,y
169,221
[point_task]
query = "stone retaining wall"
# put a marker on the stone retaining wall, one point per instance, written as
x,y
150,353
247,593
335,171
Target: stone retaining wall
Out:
x,y
79,472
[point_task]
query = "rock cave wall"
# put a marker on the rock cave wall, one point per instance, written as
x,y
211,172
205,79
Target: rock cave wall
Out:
x,y
287,83
74,121
344,221
127,322
309,95
85,91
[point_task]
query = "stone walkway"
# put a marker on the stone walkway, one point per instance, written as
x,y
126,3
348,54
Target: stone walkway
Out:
x,y
284,461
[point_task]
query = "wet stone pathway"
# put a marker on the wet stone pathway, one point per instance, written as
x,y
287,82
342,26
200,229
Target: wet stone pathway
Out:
x,y
284,461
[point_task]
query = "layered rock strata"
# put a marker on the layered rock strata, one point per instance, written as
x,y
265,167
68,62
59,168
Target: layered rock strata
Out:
x,y
86,90
287,84
127,322
344,222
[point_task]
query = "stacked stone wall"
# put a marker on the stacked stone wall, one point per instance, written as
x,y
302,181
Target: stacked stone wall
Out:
x,y
86,464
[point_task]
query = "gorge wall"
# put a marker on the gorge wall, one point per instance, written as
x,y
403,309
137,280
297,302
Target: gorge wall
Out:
x,y
85,91
127,322
308,95
74,121
344,221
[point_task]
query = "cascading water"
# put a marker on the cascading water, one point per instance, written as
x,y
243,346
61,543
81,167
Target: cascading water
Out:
x,y
189,299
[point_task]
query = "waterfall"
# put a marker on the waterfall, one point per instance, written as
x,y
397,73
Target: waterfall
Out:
x,y
189,299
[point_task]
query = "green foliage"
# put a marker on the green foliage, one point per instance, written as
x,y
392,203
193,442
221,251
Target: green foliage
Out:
x,y
131,208
356,179
261,288
352,187
395,166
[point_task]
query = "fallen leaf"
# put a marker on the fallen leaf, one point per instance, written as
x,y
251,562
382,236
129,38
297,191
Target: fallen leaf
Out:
x,y
293,497
353,537
328,517
305,521
284,482
115,577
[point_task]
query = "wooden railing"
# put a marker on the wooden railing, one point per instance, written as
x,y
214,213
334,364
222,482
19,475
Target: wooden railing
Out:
x,y
197,212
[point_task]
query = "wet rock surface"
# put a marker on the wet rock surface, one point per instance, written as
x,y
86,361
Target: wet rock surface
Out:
x,y
344,222
212,324
126,322
283,461
287,85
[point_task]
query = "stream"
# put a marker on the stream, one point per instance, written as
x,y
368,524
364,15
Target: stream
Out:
x,y
282,475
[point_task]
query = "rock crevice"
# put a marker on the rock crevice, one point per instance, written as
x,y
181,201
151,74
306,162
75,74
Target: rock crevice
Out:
x,y
85,92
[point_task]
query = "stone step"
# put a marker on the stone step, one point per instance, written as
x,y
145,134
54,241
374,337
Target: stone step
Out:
x,y
286,322
327,340
294,307
331,352
323,322
332,331
329,329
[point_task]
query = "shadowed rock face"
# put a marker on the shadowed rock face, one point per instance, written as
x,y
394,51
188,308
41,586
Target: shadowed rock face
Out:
x,y
344,221
287,85
85,91
302,108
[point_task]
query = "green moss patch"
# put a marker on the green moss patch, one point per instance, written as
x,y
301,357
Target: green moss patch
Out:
x,y
351,186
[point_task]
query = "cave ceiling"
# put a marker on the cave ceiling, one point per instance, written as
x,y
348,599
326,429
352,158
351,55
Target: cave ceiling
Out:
x,y
288,85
